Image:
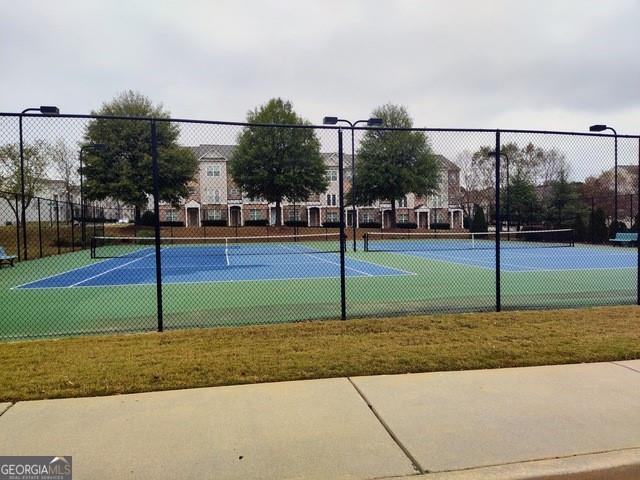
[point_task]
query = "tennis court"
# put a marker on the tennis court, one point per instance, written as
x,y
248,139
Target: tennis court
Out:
x,y
132,261
245,281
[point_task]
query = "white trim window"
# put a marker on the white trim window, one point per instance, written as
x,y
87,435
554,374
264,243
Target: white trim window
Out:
x,y
294,214
234,191
332,175
171,216
331,199
213,170
214,214
255,214
403,218
367,217
402,202
332,217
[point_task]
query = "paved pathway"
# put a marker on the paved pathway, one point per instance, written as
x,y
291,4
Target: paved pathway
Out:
x,y
568,421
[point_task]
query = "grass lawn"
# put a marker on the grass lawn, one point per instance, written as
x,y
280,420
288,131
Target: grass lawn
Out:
x,y
74,367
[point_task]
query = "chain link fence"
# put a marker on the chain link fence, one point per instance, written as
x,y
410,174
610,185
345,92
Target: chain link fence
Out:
x,y
119,224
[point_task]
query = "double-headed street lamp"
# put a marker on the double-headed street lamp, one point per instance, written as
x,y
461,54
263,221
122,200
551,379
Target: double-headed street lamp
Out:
x,y
371,122
602,128
99,147
493,154
45,110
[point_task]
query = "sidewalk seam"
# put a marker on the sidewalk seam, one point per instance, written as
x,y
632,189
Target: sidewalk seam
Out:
x,y
11,404
626,366
414,461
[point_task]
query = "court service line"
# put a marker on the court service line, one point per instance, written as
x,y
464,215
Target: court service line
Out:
x,y
111,270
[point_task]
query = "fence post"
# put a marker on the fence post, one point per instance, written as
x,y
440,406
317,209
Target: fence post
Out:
x,y
39,228
58,225
498,222
156,209
22,191
73,233
18,225
343,236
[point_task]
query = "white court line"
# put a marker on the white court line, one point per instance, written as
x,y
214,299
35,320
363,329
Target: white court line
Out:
x,y
201,282
111,270
488,262
88,265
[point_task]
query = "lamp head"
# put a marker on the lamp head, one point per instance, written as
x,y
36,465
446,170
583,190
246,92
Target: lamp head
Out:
x,y
49,110
375,122
330,120
597,128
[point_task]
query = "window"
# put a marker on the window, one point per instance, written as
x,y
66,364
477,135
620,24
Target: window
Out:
x,y
172,216
214,214
402,202
331,199
211,195
256,200
332,175
254,214
403,218
295,214
234,191
332,217
213,170
367,217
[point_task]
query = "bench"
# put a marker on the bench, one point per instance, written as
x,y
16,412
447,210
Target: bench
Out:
x,y
4,258
625,237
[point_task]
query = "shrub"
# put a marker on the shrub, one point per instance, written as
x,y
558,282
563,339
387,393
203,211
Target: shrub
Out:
x,y
147,219
440,226
409,225
479,222
579,229
331,224
598,227
263,222
214,223
370,224
295,223
171,224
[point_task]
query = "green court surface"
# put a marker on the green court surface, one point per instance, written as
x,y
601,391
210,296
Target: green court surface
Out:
x,y
431,283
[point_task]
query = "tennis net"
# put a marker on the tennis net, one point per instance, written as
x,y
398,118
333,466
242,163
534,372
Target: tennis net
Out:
x,y
413,241
114,247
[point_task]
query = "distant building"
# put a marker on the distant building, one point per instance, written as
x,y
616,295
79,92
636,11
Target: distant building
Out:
x,y
217,198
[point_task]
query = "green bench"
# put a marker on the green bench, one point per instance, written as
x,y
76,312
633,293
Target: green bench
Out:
x,y
4,258
625,237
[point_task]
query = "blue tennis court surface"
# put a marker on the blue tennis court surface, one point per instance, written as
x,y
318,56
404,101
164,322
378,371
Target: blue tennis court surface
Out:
x,y
531,259
196,264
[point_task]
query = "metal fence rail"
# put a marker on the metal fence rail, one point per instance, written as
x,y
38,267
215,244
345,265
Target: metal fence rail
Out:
x,y
118,239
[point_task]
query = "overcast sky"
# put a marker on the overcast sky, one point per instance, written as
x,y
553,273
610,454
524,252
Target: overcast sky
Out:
x,y
559,64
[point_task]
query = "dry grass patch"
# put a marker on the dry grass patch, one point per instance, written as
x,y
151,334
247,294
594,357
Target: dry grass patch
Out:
x,y
116,364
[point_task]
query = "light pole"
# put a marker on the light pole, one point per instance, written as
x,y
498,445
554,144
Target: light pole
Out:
x,y
493,154
602,128
371,122
45,110
97,147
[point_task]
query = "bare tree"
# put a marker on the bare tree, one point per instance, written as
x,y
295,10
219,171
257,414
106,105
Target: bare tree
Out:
x,y
65,165
35,172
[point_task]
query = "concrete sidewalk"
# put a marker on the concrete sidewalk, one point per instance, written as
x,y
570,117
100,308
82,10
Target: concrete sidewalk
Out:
x,y
568,421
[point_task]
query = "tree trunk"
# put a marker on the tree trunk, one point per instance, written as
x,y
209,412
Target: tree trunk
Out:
x,y
393,214
278,214
136,214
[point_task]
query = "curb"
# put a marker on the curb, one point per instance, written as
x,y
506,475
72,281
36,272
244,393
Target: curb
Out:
x,y
616,465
